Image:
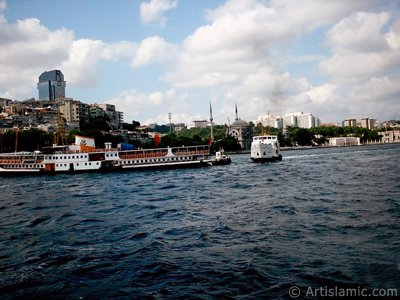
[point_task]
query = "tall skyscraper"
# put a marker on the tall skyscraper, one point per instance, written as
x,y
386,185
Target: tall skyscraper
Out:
x,y
51,85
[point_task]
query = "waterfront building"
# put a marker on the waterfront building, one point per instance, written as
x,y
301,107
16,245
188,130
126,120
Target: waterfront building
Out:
x,y
392,136
51,85
344,141
241,131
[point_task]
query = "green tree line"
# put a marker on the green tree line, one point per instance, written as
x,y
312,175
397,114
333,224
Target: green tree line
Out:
x,y
319,135
34,139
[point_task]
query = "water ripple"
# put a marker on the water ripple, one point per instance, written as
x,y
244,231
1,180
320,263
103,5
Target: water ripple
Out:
x,y
321,217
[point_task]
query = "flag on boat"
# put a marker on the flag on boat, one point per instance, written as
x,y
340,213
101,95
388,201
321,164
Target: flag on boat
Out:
x,y
157,139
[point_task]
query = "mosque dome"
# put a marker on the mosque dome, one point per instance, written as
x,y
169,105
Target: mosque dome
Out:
x,y
240,123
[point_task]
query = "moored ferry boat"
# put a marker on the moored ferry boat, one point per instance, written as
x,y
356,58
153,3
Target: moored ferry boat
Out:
x,y
265,148
83,156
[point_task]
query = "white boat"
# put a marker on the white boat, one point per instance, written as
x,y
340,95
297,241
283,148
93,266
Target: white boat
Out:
x,y
84,157
265,148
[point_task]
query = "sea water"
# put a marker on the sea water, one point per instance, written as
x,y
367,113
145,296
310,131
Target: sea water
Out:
x,y
319,219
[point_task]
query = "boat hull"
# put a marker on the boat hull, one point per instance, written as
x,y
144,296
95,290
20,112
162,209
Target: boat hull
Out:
x,y
66,161
221,162
266,159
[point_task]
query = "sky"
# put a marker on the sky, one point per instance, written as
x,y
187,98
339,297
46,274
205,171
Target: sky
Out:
x,y
335,59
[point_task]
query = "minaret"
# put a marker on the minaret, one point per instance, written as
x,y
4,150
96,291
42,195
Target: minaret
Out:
x,y
237,115
211,121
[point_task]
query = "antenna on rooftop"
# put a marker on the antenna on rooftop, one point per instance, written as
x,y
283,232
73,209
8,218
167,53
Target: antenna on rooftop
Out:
x,y
170,124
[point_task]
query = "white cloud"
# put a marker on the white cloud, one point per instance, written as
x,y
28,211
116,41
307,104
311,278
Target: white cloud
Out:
x,y
158,104
3,5
361,49
27,49
152,49
322,94
241,51
248,53
393,36
153,11
361,32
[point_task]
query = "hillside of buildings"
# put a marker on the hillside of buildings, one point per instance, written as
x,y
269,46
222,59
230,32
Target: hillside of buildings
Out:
x,y
32,124
35,139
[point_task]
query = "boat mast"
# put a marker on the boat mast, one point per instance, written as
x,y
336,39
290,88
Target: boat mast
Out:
x,y
16,140
211,123
60,130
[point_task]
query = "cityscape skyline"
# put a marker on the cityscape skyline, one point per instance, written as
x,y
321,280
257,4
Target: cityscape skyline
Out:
x,y
155,57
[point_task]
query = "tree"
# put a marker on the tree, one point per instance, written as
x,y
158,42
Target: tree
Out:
x,y
28,140
131,127
100,123
301,136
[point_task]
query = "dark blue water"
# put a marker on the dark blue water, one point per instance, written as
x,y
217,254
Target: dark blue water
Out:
x,y
321,217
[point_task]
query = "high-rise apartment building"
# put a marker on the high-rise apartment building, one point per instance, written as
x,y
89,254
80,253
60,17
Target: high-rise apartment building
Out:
x,y
74,111
115,118
51,85
297,119
367,123
350,123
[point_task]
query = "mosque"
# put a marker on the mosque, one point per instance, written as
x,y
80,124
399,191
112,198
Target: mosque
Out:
x,y
241,131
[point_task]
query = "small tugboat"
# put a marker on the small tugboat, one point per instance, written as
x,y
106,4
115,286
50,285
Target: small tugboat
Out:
x,y
221,159
265,148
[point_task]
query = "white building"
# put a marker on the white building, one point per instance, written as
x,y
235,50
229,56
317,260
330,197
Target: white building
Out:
x,y
199,124
296,119
368,123
268,121
344,141
392,136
